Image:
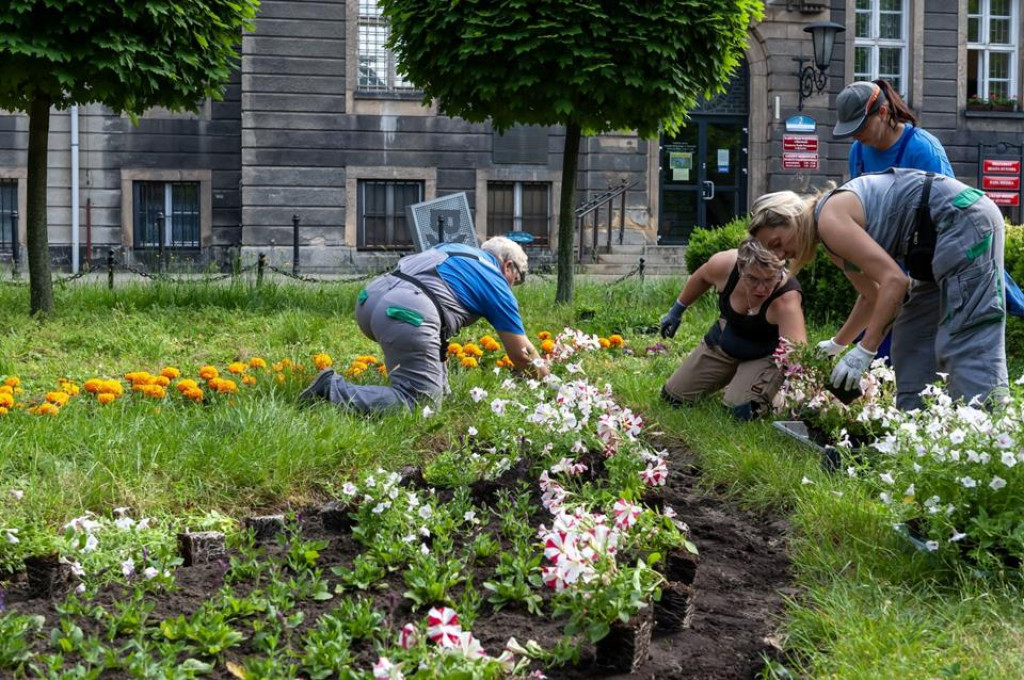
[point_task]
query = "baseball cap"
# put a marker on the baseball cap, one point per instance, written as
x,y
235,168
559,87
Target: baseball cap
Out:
x,y
854,104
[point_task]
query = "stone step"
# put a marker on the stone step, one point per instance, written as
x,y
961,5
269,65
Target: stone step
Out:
x,y
623,269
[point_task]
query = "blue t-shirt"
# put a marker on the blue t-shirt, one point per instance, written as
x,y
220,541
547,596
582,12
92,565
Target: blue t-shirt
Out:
x,y
923,152
481,288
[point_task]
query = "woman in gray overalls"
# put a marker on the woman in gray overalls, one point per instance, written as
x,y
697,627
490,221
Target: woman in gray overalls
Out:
x,y
949,316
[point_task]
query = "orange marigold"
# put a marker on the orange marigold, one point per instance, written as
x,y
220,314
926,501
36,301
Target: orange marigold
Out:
x,y
161,380
6,400
193,393
93,385
225,386
367,359
3,410
208,373
68,386
46,409
468,362
454,348
471,350
13,381
105,397
6,389
383,370
112,387
322,361
153,391
544,335
257,362
548,346
616,340
604,343
170,372
58,398
248,380
237,367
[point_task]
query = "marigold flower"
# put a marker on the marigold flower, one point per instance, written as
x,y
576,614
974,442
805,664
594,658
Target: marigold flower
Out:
x,y
186,384
161,380
468,362
616,340
47,409
3,410
248,380
58,398
6,400
454,348
208,373
112,387
194,394
367,359
471,350
68,386
605,344
237,367
383,370
279,377
279,366
359,365
257,362
105,397
322,361
12,381
170,372
547,346
225,386
153,391
6,389
93,385
544,335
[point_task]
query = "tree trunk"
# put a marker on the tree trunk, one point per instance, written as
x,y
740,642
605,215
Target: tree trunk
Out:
x,y
566,216
40,285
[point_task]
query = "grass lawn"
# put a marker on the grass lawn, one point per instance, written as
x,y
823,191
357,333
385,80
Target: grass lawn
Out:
x,y
869,607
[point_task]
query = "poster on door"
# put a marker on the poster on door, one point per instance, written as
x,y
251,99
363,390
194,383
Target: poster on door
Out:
x,y
680,163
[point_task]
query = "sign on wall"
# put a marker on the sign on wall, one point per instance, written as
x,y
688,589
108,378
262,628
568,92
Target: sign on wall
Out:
x,y
799,152
1001,180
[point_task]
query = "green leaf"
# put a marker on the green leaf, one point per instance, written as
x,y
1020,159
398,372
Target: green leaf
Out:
x,y
598,631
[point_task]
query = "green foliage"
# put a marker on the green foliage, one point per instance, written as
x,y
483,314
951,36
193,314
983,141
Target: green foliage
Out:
x,y
603,65
704,243
126,54
1014,251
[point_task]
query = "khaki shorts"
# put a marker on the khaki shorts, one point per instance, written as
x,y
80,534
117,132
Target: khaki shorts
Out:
x,y
709,369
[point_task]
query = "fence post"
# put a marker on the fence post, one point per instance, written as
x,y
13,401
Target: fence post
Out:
x,y
622,218
236,263
593,234
611,203
295,245
15,247
640,269
163,247
579,228
261,263
110,268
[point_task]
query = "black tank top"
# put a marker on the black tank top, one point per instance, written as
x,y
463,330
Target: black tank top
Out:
x,y
747,336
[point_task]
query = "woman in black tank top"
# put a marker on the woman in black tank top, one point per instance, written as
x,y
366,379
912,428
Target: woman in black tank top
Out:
x,y
758,302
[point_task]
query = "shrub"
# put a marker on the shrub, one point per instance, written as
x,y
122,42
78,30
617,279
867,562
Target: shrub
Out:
x,y
706,242
1014,251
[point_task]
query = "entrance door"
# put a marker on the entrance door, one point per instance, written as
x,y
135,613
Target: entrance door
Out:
x,y
703,176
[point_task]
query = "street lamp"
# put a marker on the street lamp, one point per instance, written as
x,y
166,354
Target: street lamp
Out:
x,y
812,77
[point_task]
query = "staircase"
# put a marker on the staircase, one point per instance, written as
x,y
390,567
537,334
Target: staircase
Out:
x,y
619,260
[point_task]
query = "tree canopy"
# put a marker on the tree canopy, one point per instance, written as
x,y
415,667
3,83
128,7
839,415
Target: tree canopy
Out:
x,y
129,55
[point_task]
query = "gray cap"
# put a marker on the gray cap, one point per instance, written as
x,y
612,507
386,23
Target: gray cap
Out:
x,y
854,104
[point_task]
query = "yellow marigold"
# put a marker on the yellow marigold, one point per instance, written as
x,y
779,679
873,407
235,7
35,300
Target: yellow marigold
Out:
x,y
359,365
47,409
3,410
471,350
93,385
248,380
353,372
161,380
468,362
194,394
226,386
237,367
6,389
279,377
454,348
279,366
186,384
383,370
68,386
13,381
170,372
544,335
6,400
105,397
286,362
208,373
58,398
154,391
489,344
112,387
257,362
548,346
367,359
616,340
604,343
322,361
505,362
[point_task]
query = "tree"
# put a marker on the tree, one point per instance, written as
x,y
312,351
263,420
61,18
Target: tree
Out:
x,y
590,65
129,55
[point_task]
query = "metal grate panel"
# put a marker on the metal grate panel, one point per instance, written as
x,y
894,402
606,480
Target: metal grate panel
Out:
x,y
456,222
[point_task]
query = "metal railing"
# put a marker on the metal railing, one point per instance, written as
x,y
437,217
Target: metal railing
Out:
x,y
592,209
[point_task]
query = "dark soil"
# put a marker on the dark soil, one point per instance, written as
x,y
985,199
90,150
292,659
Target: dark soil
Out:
x,y
742,576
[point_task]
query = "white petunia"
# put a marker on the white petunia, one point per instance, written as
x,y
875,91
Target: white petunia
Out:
x,y
469,516
128,568
931,546
968,482
17,494
91,543
477,394
1008,459
349,489
997,483
472,431
887,478
425,511
11,536
957,536
427,411
805,481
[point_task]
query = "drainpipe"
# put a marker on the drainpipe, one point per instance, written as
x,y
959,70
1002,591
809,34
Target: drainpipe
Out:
x,y
74,189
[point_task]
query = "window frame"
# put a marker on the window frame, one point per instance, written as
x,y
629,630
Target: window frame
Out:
x,y
392,82
391,213
203,177
9,233
172,211
874,43
518,216
986,49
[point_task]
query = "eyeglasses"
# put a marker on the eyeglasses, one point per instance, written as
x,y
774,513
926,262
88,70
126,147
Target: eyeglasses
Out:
x,y
756,282
520,274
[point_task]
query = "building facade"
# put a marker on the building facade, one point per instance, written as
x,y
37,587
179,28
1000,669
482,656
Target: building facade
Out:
x,y
317,128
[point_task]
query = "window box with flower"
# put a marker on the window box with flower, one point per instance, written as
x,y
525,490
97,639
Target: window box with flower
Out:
x,y
977,103
1006,104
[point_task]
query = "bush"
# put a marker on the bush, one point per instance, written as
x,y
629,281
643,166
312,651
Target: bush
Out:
x,y
1014,251
706,242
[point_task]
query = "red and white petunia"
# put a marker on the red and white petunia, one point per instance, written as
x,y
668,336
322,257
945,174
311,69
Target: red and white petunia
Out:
x,y
407,636
385,670
626,514
443,626
655,474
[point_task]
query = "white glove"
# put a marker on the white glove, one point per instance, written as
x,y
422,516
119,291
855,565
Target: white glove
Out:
x,y
851,367
831,347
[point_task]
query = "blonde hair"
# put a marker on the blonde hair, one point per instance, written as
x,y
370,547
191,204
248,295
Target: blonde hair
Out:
x,y
505,249
750,251
789,209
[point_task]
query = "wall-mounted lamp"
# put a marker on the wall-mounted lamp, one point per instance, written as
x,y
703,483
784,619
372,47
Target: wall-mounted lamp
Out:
x,y
812,77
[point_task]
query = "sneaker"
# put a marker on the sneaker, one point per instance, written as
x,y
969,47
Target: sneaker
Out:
x,y
320,388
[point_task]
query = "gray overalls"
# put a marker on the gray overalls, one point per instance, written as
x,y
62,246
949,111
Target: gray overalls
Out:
x,y
956,324
400,316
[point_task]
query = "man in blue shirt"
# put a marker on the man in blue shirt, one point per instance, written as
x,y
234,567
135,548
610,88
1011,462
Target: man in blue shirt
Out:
x,y
413,311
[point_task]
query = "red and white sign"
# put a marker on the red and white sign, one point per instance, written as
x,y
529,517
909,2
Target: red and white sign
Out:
x,y
799,142
997,183
1004,198
802,160
1000,167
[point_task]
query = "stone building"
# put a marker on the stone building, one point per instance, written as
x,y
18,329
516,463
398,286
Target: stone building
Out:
x,y
317,125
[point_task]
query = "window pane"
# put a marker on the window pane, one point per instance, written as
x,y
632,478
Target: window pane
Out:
x,y
889,62
890,26
374,207
368,8
973,29
972,7
999,8
382,221
862,63
8,206
863,29
864,4
149,202
536,216
999,65
185,215
999,31
891,6
406,193
500,207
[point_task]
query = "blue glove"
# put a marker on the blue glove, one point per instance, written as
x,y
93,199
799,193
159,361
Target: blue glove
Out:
x,y
851,367
670,322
